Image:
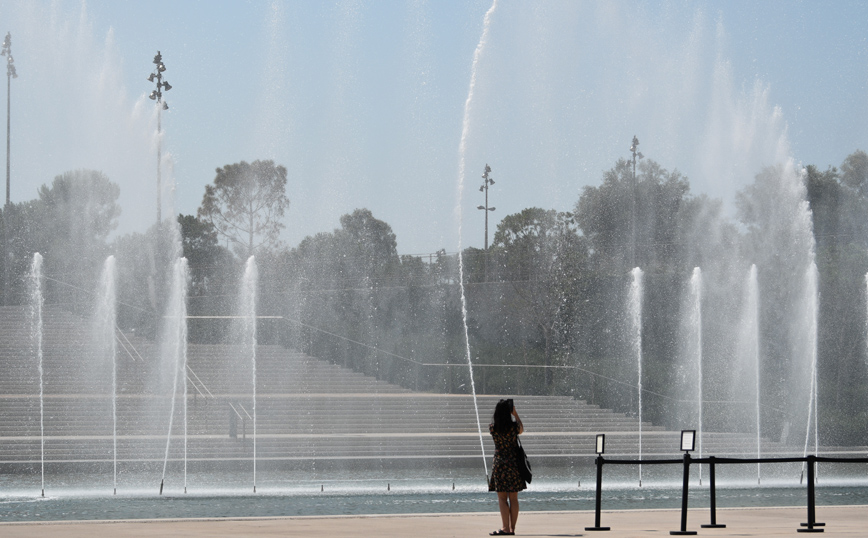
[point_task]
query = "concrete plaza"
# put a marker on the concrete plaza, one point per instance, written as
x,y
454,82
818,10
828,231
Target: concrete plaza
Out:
x,y
840,521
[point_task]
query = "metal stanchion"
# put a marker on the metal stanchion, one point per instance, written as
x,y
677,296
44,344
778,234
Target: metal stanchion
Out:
x,y
713,498
684,491
597,526
811,525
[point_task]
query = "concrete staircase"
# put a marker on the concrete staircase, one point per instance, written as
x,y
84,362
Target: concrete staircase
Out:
x,y
306,409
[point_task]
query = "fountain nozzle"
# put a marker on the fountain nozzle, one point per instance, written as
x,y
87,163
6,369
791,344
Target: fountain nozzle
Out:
x,y
161,487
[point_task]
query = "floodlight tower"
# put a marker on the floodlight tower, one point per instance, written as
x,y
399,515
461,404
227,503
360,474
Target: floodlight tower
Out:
x,y
157,95
634,149
10,74
486,181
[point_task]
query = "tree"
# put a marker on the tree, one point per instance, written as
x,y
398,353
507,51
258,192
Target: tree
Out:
x,y
543,257
245,205
205,256
76,215
604,215
368,244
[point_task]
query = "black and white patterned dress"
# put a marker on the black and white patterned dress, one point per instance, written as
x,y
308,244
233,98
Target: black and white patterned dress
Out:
x,y
504,471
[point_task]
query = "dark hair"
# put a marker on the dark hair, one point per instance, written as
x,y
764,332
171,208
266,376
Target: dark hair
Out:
x,y
502,419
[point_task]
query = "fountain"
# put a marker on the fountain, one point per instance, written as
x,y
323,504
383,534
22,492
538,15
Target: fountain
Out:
x,y
175,352
36,304
749,358
106,323
811,312
462,166
696,324
247,341
635,309
327,374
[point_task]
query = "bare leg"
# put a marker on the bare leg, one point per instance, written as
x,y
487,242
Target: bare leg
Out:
x,y
513,509
502,498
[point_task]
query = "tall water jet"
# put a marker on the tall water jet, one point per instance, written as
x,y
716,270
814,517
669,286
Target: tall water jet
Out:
x,y
106,321
36,303
462,153
247,313
812,312
175,349
696,325
753,324
635,307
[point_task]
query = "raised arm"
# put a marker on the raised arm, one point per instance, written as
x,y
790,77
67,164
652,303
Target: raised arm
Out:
x,y
518,421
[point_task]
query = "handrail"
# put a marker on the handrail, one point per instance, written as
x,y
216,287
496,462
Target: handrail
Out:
x,y
196,387
200,382
236,411
245,411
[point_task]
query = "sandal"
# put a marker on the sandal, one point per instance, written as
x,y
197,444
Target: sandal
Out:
x,y
498,532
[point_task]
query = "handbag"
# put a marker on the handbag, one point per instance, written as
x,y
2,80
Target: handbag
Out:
x,y
523,464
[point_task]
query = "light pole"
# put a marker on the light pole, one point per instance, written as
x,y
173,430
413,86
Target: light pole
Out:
x,y
486,181
157,95
10,74
634,149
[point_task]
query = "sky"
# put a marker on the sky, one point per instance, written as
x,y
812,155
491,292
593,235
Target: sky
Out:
x,y
365,103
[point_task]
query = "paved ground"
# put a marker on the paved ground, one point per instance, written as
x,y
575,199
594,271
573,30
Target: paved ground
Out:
x,y
840,521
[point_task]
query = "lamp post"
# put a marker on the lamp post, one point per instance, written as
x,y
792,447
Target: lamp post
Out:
x,y
157,95
486,181
10,74
634,149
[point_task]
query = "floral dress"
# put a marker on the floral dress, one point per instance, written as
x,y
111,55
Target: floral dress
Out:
x,y
504,471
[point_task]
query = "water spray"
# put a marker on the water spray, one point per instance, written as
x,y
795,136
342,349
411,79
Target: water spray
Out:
x,y
462,153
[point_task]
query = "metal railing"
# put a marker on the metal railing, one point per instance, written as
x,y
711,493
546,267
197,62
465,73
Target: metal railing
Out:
x,y
811,460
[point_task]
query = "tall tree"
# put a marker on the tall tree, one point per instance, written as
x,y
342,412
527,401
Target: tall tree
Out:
x,y
78,212
246,204
544,258
604,214
204,254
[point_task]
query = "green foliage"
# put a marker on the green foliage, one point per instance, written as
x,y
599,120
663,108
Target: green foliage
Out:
x,y
633,224
68,224
246,204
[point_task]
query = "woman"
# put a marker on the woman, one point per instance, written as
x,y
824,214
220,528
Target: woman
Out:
x,y
505,477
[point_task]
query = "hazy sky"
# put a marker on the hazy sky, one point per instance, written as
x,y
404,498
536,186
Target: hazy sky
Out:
x,y
363,101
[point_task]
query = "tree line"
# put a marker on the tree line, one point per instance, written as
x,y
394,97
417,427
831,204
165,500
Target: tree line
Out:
x,y
545,302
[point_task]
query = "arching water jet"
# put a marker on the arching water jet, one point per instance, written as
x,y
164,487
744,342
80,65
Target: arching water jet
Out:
x,y
175,345
462,153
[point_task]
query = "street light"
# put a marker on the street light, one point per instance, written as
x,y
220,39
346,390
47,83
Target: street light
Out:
x,y
634,149
486,181
10,74
157,95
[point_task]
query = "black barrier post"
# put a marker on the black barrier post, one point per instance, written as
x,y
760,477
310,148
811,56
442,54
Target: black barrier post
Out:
x,y
713,498
812,520
684,490
597,526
